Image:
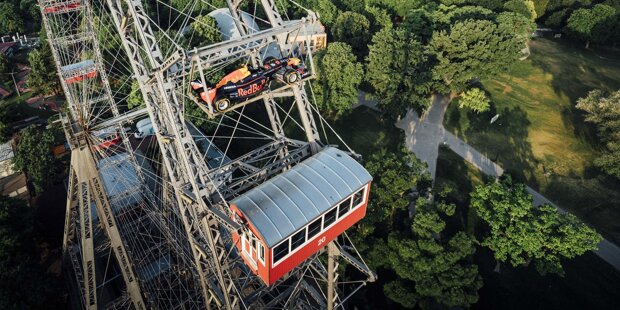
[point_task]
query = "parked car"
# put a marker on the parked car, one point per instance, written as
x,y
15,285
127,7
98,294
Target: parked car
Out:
x,y
248,82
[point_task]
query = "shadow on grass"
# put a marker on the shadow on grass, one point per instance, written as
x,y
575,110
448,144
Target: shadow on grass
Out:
x,y
586,132
455,173
453,120
505,141
575,71
595,200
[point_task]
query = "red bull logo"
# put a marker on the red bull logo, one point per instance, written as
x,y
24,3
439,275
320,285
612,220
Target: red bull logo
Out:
x,y
250,90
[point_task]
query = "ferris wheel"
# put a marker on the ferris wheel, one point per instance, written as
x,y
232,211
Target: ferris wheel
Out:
x,y
202,175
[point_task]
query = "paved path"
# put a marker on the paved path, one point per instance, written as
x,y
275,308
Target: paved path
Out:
x,y
424,136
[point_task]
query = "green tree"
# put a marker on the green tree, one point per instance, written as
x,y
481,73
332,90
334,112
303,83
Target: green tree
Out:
x,y
43,76
327,10
5,130
556,18
472,49
446,16
516,23
540,6
5,133
206,28
338,76
604,110
395,174
558,4
521,233
523,7
198,117
398,71
20,274
352,28
474,99
401,292
353,6
582,22
452,2
379,18
10,19
30,10
438,268
170,41
10,112
33,156
494,5
399,8
109,41
135,98
419,22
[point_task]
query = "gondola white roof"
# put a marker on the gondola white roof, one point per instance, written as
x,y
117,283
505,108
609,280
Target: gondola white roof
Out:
x,y
291,200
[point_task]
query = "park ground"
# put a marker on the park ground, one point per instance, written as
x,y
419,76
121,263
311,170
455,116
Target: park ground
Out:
x,y
589,283
540,137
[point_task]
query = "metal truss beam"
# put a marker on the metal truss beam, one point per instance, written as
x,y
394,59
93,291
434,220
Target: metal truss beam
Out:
x,y
124,118
69,28
91,192
180,153
230,189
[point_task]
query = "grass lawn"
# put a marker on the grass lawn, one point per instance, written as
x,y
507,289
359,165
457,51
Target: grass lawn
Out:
x,y
540,137
457,173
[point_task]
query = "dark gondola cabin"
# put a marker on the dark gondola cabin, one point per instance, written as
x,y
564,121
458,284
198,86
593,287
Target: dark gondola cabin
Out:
x,y
293,215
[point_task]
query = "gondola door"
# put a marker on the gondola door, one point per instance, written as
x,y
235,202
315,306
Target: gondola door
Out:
x,y
249,244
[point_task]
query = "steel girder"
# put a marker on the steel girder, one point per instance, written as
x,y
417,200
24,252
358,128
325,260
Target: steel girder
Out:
x,y
181,156
85,191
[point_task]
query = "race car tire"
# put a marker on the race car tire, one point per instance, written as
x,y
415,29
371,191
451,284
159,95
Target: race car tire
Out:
x,y
222,104
290,76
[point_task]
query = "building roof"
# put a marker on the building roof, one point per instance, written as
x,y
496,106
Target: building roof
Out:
x,y
226,23
5,46
6,151
311,28
4,92
15,186
291,200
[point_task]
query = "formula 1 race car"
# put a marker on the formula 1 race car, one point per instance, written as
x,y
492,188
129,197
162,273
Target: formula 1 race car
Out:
x,y
248,82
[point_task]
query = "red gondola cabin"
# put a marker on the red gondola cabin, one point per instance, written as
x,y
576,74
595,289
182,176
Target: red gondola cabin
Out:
x,y
61,6
107,137
79,71
292,216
